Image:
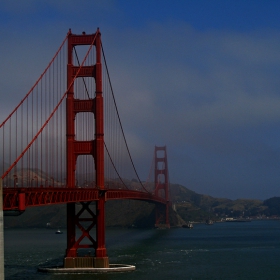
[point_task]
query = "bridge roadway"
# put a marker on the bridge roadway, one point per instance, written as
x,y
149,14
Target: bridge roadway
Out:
x,y
18,199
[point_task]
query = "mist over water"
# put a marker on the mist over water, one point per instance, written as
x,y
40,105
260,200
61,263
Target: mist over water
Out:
x,y
221,251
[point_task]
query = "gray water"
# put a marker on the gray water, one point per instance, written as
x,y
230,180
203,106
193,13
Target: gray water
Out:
x,y
220,251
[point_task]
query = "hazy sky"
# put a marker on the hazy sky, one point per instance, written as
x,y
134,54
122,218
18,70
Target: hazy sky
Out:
x,y
201,77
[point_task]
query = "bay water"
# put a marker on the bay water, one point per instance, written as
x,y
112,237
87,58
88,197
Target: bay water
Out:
x,y
247,250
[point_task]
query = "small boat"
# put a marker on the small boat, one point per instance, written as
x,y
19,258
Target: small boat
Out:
x,y
58,232
188,225
209,222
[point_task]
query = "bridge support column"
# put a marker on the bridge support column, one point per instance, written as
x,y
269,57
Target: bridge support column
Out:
x,y
101,258
1,233
161,186
85,220
162,214
71,251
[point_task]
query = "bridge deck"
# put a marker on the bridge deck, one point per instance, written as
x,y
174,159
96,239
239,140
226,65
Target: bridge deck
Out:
x,y
21,198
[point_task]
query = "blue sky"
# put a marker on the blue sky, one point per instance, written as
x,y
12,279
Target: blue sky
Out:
x,y
205,74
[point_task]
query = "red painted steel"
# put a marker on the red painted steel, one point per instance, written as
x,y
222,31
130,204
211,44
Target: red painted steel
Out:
x,y
162,184
85,228
42,75
100,251
78,148
20,105
136,195
22,198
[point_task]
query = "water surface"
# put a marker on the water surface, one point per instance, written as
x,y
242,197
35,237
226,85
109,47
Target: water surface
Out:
x,y
220,251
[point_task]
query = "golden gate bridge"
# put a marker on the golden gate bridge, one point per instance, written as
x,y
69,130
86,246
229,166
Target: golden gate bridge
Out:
x,y
64,144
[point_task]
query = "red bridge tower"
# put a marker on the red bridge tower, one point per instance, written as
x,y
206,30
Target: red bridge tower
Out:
x,y
78,148
162,186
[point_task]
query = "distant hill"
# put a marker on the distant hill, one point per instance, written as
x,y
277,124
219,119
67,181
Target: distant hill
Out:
x,y
187,205
272,206
197,207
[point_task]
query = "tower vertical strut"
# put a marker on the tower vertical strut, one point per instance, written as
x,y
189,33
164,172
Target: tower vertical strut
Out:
x,y
161,186
75,148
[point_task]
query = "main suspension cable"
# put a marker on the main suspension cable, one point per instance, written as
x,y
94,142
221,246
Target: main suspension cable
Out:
x,y
120,120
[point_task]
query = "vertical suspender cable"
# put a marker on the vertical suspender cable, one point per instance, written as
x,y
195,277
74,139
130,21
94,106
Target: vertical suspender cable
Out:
x,y
120,122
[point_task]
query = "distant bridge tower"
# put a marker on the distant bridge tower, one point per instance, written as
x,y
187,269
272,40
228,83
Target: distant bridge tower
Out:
x,y
95,148
161,186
